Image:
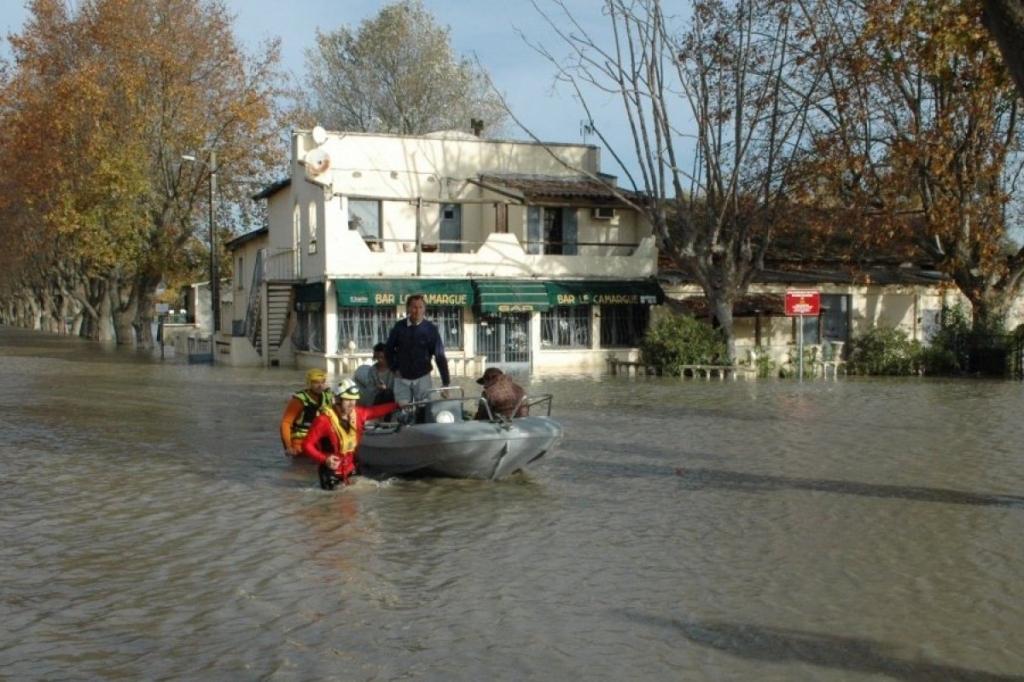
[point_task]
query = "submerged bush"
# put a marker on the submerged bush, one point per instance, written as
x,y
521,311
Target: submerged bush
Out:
x,y
884,352
765,364
677,340
949,349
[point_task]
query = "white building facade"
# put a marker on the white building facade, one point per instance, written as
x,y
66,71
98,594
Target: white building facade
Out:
x,y
529,258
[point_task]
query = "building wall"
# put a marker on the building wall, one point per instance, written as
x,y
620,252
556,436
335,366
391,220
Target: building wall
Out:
x,y
310,239
414,178
911,308
246,254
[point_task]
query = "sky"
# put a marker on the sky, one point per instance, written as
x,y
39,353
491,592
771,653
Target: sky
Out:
x,y
482,30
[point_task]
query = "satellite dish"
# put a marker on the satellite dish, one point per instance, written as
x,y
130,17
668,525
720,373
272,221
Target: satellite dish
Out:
x,y
317,162
319,135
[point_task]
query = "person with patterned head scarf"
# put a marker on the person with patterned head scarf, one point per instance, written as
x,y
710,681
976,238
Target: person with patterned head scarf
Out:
x,y
301,409
504,398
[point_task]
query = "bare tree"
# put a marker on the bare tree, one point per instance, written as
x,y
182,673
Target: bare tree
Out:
x,y
715,122
397,73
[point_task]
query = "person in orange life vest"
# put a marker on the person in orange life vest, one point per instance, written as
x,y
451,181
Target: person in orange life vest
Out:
x,y
335,433
301,409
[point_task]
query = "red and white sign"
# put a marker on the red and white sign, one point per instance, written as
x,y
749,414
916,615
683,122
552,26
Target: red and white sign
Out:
x,y
800,302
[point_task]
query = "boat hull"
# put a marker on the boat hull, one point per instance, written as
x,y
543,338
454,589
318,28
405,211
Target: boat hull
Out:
x,y
471,449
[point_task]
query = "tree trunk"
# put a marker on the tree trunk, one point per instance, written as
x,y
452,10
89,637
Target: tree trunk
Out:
x,y
1004,19
722,307
146,307
123,307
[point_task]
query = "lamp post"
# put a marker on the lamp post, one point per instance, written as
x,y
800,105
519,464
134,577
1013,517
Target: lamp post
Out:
x,y
211,165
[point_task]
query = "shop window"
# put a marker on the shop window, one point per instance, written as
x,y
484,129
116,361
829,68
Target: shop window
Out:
x,y
565,327
623,326
449,322
366,326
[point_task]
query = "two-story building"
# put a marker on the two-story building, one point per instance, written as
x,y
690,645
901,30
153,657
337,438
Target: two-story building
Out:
x,y
528,257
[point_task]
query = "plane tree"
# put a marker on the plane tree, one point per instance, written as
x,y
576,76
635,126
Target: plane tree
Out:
x,y
1004,19
716,126
397,72
95,127
920,140
893,119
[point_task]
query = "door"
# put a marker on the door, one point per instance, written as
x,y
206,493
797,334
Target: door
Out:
x,y
835,320
505,340
451,228
551,230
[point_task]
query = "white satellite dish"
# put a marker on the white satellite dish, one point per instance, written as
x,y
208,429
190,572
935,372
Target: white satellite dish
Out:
x,y
319,135
317,162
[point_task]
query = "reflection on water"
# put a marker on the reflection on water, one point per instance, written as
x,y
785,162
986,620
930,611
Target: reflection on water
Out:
x,y
685,530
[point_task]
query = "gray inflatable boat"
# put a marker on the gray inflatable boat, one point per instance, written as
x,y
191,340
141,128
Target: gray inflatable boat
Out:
x,y
440,438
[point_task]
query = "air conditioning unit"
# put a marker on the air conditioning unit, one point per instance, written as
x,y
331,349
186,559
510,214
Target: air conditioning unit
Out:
x,y
603,213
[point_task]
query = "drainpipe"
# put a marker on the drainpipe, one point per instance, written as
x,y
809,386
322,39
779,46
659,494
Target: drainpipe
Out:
x,y
917,315
419,237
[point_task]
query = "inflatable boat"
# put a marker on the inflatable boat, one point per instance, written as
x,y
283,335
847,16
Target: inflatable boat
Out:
x,y
439,437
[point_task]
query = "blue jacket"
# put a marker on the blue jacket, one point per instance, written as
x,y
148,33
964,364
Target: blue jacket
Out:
x,y
411,347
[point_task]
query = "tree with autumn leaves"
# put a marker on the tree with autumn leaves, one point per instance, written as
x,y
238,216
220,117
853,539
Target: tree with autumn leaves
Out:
x,y
99,106
893,119
920,140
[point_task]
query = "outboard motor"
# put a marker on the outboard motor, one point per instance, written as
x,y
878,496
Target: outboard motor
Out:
x,y
442,412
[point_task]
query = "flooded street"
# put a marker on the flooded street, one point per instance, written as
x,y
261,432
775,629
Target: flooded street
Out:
x,y
846,530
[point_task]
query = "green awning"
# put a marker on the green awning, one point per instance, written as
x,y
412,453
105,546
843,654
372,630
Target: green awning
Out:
x,y
583,292
365,293
510,296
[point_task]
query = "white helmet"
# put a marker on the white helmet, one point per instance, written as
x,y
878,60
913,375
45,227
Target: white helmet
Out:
x,y
347,389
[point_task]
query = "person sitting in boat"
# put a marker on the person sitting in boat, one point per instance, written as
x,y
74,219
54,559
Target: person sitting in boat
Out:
x,y
502,395
376,382
301,409
336,432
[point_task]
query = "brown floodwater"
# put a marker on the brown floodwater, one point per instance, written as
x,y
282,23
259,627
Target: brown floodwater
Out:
x,y
765,530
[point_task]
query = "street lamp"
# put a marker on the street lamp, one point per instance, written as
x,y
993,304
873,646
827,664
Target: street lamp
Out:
x,y
211,165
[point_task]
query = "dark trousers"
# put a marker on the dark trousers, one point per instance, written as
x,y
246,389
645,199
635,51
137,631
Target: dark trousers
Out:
x,y
328,479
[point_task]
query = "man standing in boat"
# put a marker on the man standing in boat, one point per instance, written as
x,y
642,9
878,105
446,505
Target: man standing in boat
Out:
x,y
413,342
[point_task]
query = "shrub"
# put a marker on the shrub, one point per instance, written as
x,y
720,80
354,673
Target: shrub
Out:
x,y
949,349
677,340
764,363
883,351
791,368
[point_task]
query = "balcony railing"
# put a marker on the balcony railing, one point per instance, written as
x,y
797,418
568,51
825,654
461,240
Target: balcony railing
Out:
x,y
282,264
384,245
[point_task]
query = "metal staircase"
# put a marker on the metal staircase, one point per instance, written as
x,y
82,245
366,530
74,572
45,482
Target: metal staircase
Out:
x,y
280,299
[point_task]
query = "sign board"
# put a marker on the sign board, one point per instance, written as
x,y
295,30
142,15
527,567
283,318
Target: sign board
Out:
x,y
803,302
